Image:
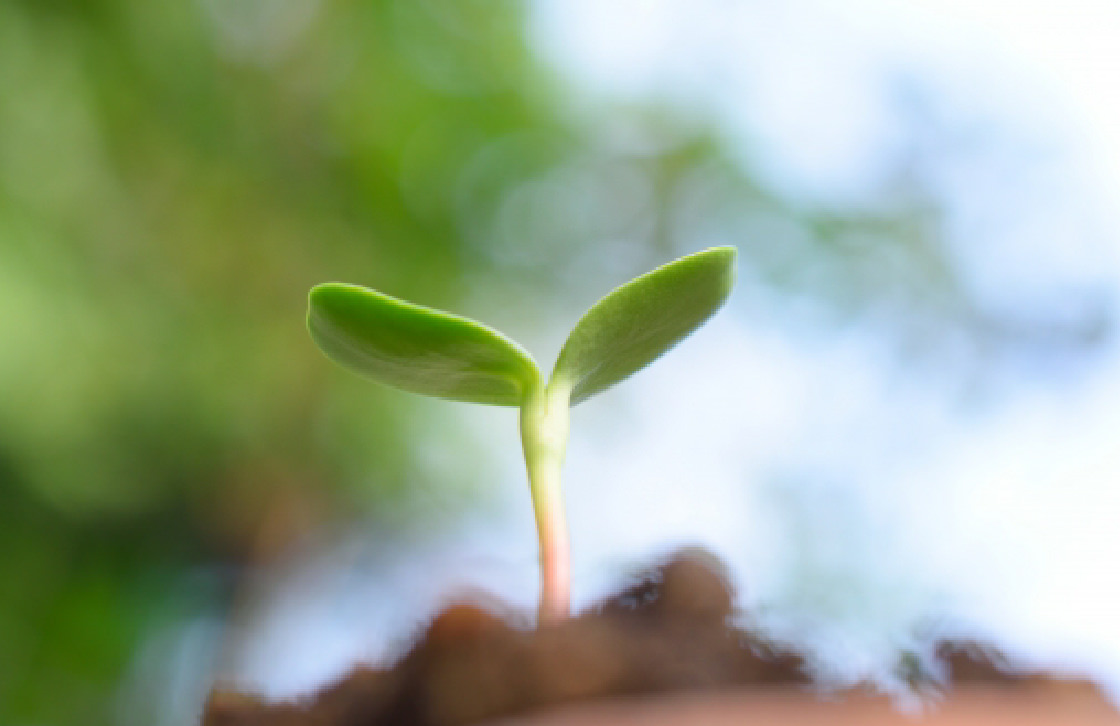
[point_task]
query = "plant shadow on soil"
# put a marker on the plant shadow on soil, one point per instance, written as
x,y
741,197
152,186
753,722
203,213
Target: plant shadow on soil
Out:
x,y
668,632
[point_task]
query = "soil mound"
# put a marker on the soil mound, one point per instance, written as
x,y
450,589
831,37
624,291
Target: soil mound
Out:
x,y
671,631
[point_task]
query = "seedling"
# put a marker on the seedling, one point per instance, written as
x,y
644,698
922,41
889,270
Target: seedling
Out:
x,y
439,354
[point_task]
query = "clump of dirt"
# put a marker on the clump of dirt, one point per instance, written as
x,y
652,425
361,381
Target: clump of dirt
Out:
x,y
671,631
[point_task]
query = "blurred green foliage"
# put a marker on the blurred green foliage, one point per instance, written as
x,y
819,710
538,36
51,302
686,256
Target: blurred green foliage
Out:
x,y
173,179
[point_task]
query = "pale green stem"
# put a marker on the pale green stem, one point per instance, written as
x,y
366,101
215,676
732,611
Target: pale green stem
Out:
x,y
544,436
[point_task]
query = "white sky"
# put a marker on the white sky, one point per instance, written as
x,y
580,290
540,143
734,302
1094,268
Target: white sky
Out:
x,y
1012,517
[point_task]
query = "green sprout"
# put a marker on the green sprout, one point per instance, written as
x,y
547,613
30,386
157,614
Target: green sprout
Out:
x,y
439,354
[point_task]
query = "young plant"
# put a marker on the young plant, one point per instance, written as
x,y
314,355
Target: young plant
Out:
x,y
439,354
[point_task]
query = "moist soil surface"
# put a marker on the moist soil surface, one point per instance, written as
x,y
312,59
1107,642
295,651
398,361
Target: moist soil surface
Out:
x,y
670,632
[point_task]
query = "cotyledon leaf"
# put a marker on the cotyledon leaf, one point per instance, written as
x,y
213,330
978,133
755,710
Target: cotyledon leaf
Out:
x,y
418,349
638,321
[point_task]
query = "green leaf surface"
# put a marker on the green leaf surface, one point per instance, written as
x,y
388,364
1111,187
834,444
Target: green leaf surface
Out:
x,y
638,321
418,349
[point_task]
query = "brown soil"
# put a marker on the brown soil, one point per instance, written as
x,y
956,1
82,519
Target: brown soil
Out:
x,y
1057,705
669,633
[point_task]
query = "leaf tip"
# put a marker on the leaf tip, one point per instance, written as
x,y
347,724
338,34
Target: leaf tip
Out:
x,y
322,292
726,257
317,298
721,262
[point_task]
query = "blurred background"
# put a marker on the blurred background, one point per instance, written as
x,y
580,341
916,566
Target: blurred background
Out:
x,y
905,420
